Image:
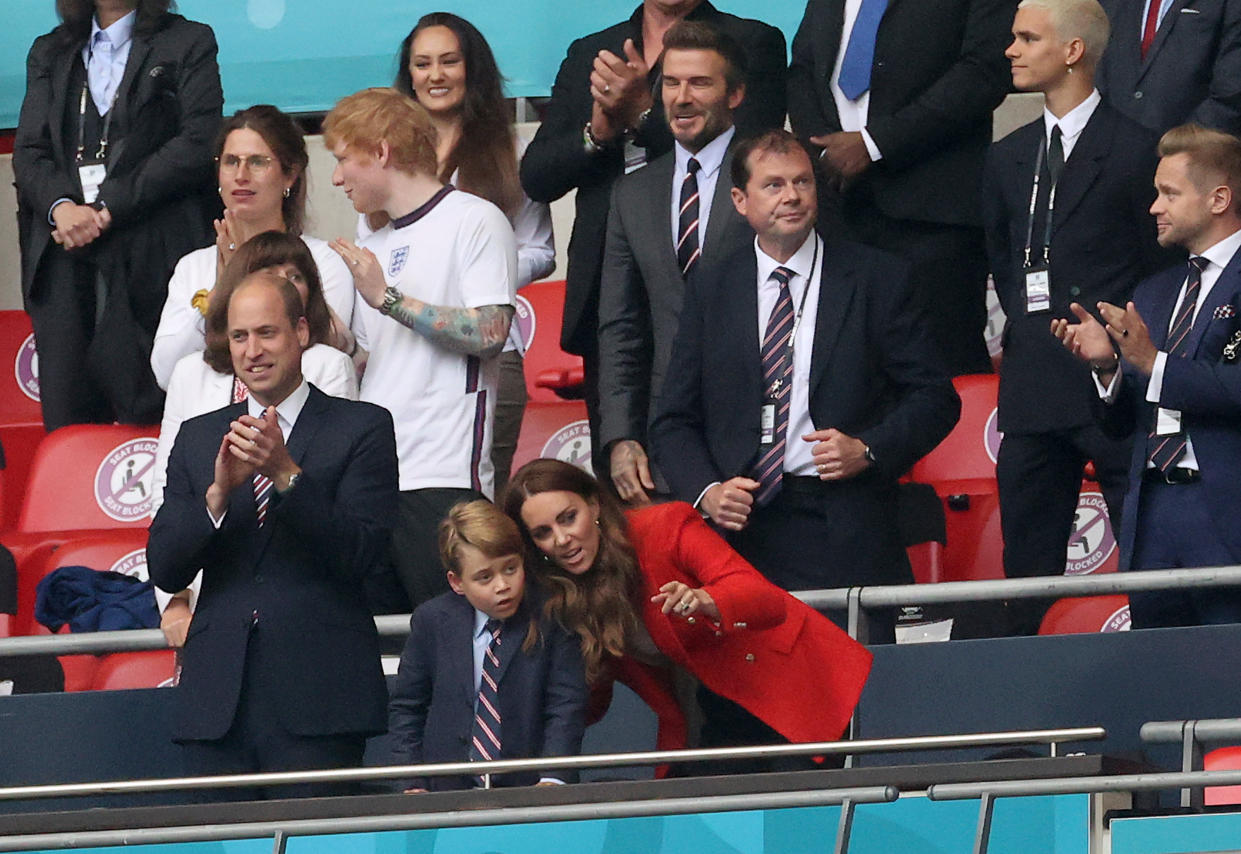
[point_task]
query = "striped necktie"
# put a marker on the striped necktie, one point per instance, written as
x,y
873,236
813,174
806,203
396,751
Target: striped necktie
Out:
x,y
262,483
485,735
688,246
777,387
1164,452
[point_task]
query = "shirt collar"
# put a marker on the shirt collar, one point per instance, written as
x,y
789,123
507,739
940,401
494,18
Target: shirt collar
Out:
x,y
288,409
1074,121
710,158
119,33
480,623
800,263
1221,253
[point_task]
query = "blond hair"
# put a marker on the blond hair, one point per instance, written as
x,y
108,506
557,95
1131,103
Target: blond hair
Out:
x,y
1078,19
1214,156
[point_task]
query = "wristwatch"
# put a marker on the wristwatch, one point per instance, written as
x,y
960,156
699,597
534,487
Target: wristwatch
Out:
x,y
392,298
293,479
870,455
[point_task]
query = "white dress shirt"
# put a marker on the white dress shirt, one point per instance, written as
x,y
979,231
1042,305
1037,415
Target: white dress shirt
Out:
x,y
710,159
852,113
1071,123
807,265
109,49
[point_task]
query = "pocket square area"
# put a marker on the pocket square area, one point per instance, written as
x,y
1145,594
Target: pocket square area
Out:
x,y
1224,311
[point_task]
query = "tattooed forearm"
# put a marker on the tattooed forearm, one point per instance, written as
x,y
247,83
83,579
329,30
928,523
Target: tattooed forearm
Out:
x,y
473,331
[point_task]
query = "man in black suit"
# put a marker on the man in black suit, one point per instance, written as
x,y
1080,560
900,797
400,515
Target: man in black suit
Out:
x,y
604,121
898,103
662,224
285,500
793,443
1099,243
112,162
1174,61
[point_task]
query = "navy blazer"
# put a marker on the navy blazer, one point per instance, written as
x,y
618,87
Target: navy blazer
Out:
x,y
1205,386
874,375
938,73
542,692
1102,244
1192,72
298,578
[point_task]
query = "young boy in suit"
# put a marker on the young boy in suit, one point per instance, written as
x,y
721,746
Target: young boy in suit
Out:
x,y
484,675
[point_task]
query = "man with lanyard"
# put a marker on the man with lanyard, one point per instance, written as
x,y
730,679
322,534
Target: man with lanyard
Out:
x,y
1065,201
1168,367
803,383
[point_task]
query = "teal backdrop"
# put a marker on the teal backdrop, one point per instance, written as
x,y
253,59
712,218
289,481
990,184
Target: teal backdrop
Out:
x,y
302,55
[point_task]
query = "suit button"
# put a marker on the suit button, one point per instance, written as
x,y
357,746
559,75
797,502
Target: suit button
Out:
x,y
1138,95
879,65
1075,291
739,625
690,620
718,633
258,579
749,656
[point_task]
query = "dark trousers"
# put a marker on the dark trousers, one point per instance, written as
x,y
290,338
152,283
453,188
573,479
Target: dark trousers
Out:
x,y
816,535
1175,529
415,549
94,357
510,407
1039,477
948,272
257,742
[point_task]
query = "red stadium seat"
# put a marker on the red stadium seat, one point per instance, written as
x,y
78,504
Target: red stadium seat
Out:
x,y
90,476
1086,614
557,430
552,375
1222,759
124,670
21,419
962,471
122,551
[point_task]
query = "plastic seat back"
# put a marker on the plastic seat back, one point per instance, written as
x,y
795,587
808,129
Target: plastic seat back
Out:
x,y
19,371
125,670
968,452
552,375
558,430
1222,759
1087,614
90,476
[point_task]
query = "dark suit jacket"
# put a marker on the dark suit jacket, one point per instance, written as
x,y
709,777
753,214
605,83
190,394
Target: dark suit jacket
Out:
x,y
1102,244
939,71
641,291
874,372
160,184
1191,73
556,162
301,573
1205,386
542,692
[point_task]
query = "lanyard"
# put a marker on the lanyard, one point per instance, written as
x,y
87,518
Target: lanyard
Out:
x,y
107,124
1051,207
801,307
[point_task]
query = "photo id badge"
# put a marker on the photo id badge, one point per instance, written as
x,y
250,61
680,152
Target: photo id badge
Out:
x,y
91,174
767,424
1038,289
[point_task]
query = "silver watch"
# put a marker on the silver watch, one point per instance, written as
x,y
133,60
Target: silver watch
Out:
x,y
392,298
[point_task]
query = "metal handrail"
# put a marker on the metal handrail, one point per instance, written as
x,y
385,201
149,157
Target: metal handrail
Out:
x,y
600,760
856,599
455,818
1083,785
1206,730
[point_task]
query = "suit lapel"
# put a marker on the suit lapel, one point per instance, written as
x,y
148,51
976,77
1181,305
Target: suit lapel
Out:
x,y
1222,293
722,210
836,287
1083,165
461,655
138,52
1160,317
1161,35
660,211
735,315
60,96
299,440
511,639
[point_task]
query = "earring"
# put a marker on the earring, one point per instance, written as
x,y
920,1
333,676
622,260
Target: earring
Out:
x,y
286,192
1068,68
219,191
596,522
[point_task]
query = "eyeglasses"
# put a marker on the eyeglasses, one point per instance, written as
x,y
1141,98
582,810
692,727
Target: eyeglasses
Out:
x,y
256,163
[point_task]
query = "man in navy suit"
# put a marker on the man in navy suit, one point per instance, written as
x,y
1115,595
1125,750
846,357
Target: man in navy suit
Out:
x,y
284,500
1176,384
793,444
1174,61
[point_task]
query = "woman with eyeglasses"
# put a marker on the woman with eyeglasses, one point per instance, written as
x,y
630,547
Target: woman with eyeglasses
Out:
x,y
261,163
204,381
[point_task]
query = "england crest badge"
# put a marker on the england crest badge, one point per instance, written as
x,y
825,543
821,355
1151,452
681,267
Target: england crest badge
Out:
x,y
396,261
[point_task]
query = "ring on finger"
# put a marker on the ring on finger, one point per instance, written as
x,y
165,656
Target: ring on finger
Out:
x,y
232,246
1124,333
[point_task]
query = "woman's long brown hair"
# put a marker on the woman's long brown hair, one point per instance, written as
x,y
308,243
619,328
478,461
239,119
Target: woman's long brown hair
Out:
x,y
599,605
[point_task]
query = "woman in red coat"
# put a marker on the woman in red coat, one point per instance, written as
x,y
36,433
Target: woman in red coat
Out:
x,y
655,589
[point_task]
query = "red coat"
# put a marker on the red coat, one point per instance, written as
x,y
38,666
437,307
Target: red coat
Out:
x,y
781,660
